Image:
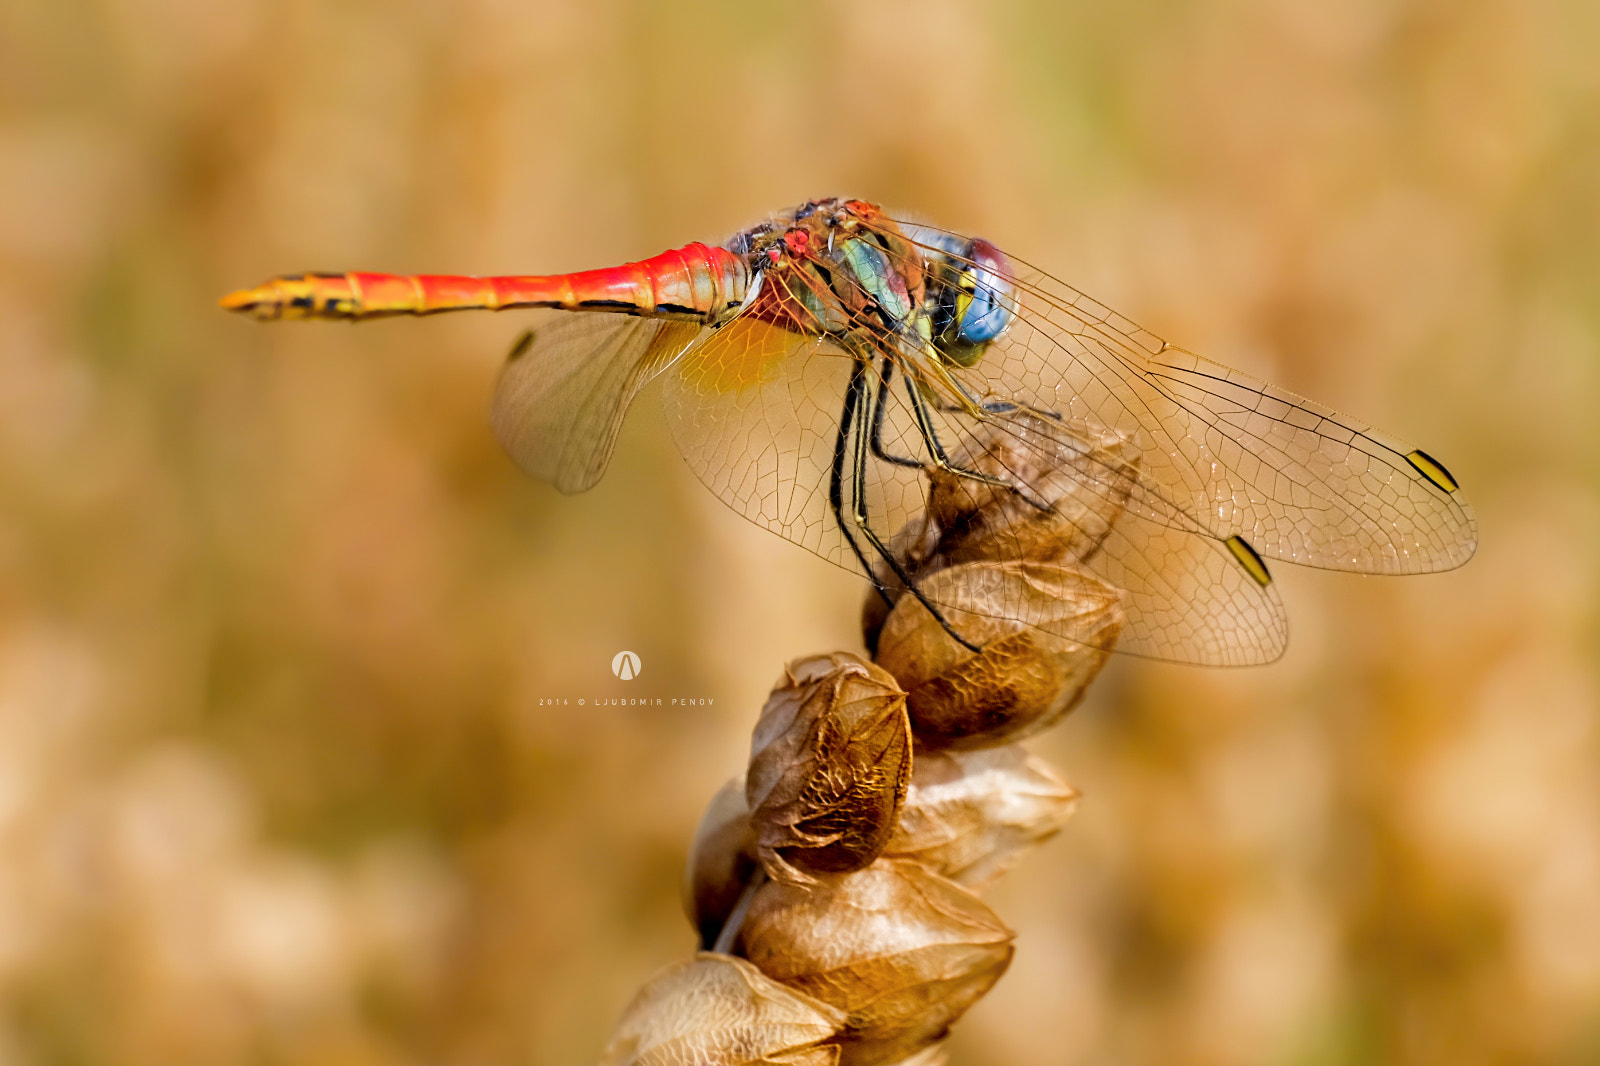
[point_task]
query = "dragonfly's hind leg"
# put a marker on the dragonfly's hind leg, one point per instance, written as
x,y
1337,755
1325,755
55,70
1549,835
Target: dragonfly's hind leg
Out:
x,y
852,402
861,443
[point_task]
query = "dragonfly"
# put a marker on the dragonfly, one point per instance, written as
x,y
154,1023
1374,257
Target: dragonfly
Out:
x,y
817,366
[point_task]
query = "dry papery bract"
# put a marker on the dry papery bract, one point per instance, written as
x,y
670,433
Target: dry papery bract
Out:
x,y
1076,485
716,1010
970,815
830,760
1001,566
904,952
1026,677
721,861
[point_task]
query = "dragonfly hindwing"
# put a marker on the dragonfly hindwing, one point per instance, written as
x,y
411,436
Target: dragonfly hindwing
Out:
x,y
1248,559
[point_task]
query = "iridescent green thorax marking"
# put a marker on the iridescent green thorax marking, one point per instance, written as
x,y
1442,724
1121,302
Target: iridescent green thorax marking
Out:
x,y
836,269
877,276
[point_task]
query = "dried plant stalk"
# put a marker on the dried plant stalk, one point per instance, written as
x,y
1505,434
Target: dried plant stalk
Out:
x,y
932,1055
836,871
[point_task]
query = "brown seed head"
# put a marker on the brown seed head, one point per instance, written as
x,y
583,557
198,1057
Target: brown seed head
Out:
x,y
721,861
1070,487
969,815
903,951
715,1010
1045,630
1082,481
829,764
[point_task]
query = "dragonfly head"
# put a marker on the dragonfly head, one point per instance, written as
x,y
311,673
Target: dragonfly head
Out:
x,y
972,295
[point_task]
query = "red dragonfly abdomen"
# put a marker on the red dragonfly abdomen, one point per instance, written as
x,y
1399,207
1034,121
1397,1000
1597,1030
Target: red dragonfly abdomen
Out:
x,y
696,282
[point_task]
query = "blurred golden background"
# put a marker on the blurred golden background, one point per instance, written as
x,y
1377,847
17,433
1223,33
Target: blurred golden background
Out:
x,y
277,617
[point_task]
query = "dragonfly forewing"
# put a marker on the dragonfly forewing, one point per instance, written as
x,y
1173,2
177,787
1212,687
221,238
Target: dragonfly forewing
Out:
x,y
1226,452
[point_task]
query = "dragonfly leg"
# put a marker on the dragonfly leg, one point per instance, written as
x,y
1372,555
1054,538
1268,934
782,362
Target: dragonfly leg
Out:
x,y
930,437
852,401
879,406
858,503
998,407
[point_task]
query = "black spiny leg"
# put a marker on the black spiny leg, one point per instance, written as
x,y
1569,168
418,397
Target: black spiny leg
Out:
x,y
930,437
858,503
879,406
852,402
1004,407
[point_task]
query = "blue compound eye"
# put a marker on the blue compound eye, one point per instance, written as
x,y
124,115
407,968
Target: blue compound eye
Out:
x,y
972,298
987,295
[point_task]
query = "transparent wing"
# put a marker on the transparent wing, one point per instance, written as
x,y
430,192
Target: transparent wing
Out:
x,y
564,389
756,411
1222,450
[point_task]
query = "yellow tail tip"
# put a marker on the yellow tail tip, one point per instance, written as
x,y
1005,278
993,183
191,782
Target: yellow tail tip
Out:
x,y
242,300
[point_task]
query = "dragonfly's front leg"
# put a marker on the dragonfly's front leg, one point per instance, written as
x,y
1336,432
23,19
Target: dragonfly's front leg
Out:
x,y
930,437
997,407
925,428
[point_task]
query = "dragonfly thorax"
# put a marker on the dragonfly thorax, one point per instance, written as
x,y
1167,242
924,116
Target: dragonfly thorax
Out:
x,y
842,268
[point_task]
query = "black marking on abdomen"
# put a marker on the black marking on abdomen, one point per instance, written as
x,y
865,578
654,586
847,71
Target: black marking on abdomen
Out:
x,y
619,304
